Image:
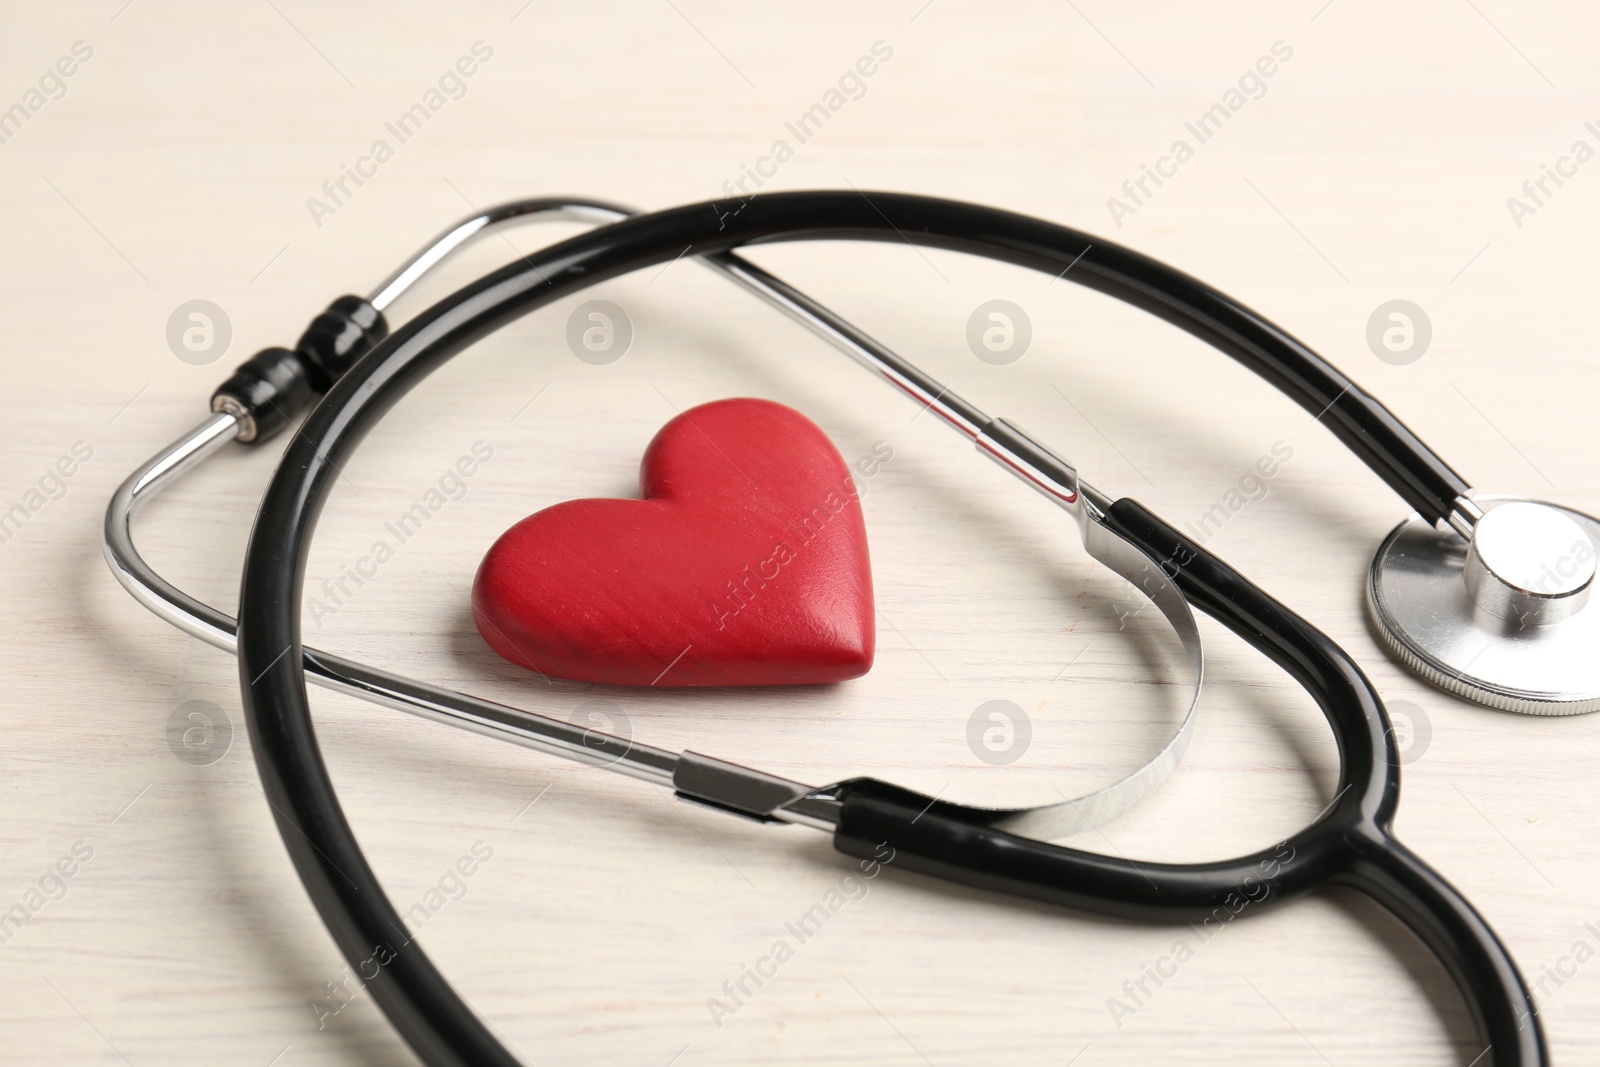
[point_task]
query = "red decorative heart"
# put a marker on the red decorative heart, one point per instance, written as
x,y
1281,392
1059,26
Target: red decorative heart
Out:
x,y
744,564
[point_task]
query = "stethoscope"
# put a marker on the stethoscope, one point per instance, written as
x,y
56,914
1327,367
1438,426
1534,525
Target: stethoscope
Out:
x,y
1478,604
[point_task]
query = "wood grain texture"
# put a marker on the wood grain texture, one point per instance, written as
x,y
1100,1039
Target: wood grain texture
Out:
x,y
176,163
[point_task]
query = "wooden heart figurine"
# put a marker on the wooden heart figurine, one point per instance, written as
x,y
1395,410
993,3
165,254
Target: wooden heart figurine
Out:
x,y
744,564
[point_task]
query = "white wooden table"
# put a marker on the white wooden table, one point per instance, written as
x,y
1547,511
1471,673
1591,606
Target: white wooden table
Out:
x,y
185,157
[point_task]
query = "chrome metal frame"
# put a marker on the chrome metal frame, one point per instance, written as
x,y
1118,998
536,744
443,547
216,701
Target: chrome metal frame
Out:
x,y
719,783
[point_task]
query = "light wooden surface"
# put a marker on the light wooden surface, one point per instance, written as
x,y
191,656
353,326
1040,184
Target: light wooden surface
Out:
x,y
1376,166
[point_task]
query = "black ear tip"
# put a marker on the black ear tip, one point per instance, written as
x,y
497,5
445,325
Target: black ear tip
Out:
x,y
272,387
338,337
266,392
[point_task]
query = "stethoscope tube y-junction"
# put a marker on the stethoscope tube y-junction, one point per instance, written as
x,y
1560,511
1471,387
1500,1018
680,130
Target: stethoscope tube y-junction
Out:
x,y
1350,844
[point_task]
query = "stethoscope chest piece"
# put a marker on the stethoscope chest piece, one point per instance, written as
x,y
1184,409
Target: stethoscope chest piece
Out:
x,y
1504,618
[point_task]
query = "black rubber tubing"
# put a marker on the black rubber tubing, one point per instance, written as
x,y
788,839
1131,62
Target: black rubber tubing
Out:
x,y
1352,843
427,1012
